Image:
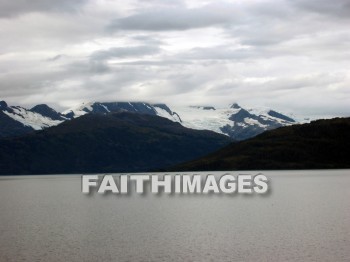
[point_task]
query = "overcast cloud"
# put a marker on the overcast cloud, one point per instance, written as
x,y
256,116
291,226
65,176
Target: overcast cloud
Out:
x,y
290,55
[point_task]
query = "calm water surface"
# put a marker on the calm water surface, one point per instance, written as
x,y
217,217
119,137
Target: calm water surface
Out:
x,y
305,217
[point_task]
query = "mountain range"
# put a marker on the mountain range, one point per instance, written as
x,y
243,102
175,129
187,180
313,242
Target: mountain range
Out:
x,y
139,137
234,121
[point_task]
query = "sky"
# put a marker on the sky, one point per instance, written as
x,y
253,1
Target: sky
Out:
x,y
289,55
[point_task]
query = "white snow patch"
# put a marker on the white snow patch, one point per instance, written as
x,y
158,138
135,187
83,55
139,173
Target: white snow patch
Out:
x,y
163,113
251,122
197,118
34,120
79,111
108,111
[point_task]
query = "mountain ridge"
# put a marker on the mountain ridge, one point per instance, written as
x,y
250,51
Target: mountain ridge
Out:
x,y
317,145
233,121
114,142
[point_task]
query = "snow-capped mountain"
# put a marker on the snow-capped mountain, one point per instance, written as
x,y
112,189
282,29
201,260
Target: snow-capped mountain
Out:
x,y
16,120
112,107
234,121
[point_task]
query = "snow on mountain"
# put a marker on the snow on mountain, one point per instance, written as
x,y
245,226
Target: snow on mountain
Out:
x,y
136,107
164,111
81,110
199,117
29,118
271,114
48,112
233,120
16,120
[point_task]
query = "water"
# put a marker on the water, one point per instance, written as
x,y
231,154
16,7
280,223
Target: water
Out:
x,y
305,217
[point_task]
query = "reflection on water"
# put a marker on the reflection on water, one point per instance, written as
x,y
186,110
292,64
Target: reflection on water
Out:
x,y
305,217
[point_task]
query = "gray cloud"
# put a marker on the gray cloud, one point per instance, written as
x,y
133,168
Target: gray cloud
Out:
x,y
54,58
177,18
166,3
225,52
17,7
123,52
292,56
338,8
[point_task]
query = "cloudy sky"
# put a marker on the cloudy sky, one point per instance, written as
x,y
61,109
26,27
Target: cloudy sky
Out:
x,y
290,55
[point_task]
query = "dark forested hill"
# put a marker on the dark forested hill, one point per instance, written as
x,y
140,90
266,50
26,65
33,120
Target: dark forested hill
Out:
x,y
320,144
118,142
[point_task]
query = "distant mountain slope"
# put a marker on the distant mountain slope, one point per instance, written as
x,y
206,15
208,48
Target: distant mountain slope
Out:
x,y
114,107
16,120
234,121
11,127
48,112
115,142
320,144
